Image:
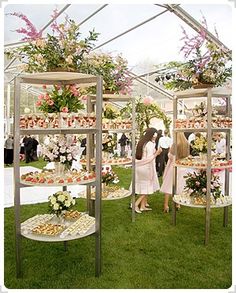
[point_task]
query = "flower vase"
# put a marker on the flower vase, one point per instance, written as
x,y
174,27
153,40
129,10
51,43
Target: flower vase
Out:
x,y
59,219
103,186
203,157
59,168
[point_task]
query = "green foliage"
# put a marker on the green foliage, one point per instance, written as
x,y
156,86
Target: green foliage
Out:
x,y
113,70
144,112
159,255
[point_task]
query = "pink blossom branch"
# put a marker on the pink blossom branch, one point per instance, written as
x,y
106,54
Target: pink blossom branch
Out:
x,y
30,32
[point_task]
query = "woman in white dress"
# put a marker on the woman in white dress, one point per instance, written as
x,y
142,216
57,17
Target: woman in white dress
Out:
x,y
146,181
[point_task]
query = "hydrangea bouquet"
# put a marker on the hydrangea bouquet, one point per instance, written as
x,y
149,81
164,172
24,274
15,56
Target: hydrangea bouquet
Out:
x,y
60,149
60,201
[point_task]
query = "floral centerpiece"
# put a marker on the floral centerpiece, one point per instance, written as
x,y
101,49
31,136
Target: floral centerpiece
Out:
x,y
60,149
108,144
108,176
64,49
208,64
114,71
196,184
199,145
110,111
67,98
60,201
201,110
145,109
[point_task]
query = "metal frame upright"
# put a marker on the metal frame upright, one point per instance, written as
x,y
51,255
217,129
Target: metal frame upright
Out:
x,y
209,94
60,78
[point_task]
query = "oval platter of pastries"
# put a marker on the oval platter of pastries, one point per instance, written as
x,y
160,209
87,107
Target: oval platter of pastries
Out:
x,y
112,161
50,178
195,161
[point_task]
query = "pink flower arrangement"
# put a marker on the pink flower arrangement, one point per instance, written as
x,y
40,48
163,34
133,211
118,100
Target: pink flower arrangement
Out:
x,y
64,49
65,99
147,100
196,184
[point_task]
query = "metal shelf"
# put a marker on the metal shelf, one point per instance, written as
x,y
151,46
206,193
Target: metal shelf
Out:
x,y
202,167
201,206
82,182
58,131
202,129
117,130
44,238
217,92
84,80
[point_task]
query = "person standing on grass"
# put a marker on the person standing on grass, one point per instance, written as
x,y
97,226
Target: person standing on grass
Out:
x,y
9,146
146,181
164,143
159,135
182,152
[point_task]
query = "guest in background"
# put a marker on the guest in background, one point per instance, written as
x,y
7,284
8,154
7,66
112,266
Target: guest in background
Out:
x,y
28,142
182,152
159,135
83,145
146,177
34,156
220,144
22,150
9,146
164,143
123,142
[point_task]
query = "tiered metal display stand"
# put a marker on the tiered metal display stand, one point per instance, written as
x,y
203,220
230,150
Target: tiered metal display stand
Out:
x,y
208,94
113,98
58,78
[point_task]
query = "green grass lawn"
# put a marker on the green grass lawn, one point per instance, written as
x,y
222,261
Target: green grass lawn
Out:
x,y
150,253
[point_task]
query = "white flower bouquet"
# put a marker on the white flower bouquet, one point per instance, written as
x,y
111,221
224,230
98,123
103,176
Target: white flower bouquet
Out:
x,y
60,149
60,201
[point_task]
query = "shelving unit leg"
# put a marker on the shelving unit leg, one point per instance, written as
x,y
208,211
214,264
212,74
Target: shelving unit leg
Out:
x,y
65,245
174,214
207,226
133,159
17,178
98,182
226,216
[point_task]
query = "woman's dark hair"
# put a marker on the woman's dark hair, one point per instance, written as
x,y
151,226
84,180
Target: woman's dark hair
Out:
x,y
148,134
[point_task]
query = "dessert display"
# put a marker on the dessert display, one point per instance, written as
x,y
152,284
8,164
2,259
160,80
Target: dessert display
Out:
x,y
112,192
117,123
186,199
56,120
196,161
74,223
112,161
80,227
198,122
48,229
72,215
33,222
50,178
